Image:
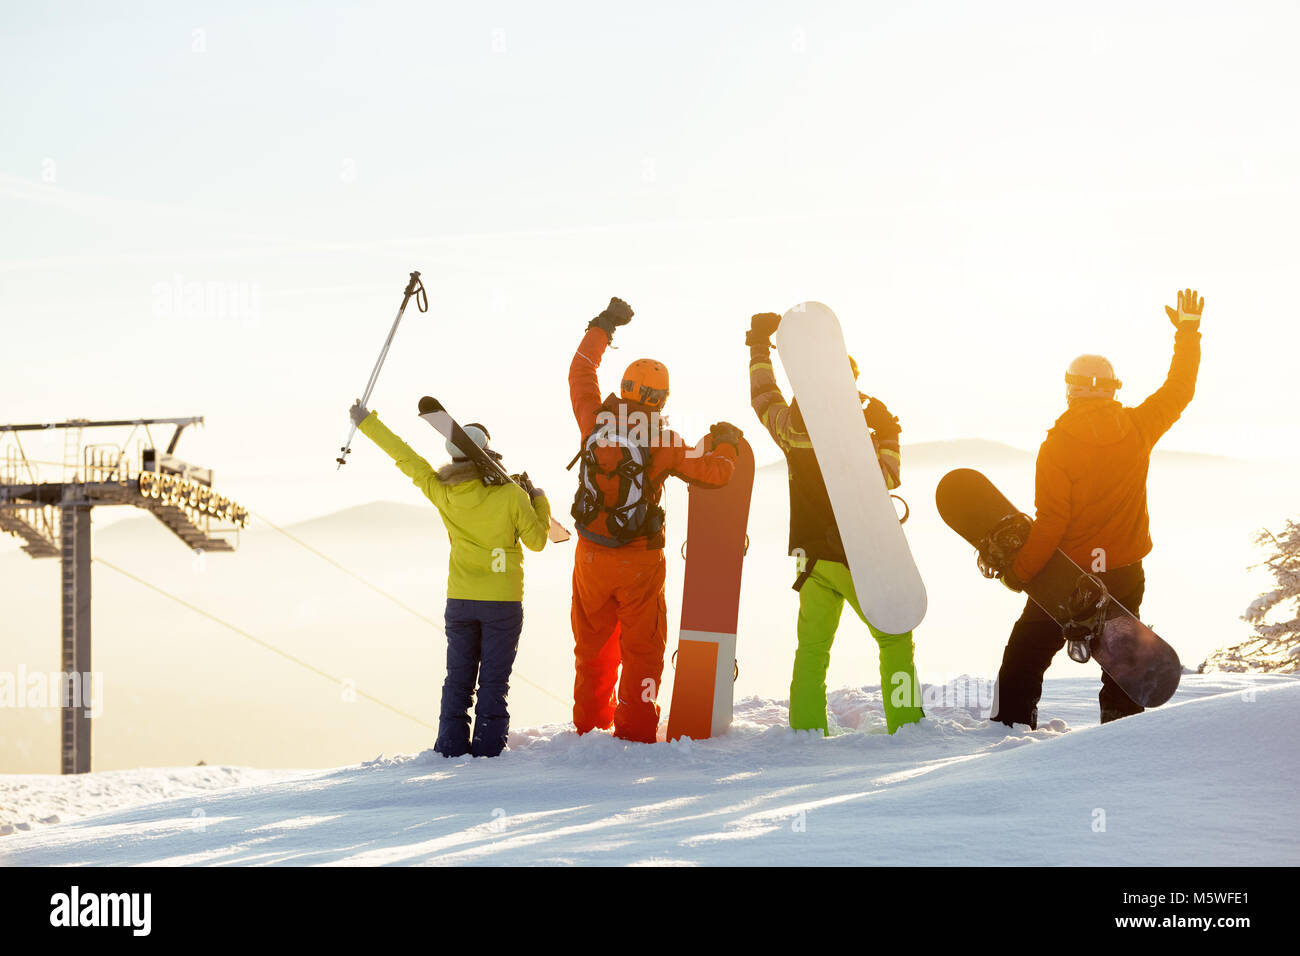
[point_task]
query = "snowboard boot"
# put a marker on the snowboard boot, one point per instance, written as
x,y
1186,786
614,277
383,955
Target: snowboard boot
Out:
x,y
1114,702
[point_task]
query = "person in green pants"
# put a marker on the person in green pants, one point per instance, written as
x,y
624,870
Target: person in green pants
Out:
x,y
824,583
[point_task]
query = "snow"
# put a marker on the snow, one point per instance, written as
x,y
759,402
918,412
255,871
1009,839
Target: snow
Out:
x,y
27,800
1208,779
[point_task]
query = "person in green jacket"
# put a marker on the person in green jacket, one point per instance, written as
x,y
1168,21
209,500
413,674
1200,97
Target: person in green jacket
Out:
x,y
485,582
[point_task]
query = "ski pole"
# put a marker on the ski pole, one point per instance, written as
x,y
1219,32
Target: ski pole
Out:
x,y
413,288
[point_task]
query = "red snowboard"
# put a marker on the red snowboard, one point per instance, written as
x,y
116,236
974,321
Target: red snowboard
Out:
x,y
706,651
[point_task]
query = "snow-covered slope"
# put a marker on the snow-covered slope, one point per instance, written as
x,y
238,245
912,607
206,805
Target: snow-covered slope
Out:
x,y
30,800
1208,780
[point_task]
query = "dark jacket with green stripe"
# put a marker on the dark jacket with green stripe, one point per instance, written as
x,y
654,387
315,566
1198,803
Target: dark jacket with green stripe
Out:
x,y
813,532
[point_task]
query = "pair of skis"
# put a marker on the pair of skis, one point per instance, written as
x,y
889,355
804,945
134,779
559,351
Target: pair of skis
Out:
x,y
433,412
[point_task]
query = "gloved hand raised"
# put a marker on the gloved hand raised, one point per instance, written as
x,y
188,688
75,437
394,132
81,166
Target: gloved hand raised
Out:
x,y
1188,313
725,433
761,328
358,412
615,314
880,421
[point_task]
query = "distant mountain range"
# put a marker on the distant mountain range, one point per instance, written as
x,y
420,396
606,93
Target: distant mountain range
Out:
x,y
378,517
376,521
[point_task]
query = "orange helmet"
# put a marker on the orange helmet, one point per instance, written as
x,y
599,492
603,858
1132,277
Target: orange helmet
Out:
x,y
645,381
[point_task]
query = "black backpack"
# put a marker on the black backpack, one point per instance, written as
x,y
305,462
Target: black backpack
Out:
x,y
633,514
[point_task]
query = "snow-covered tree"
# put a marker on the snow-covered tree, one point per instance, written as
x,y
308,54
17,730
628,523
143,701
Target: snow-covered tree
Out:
x,y
1276,644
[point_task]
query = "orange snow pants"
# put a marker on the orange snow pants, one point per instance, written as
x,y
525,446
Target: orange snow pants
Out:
x,y
619,616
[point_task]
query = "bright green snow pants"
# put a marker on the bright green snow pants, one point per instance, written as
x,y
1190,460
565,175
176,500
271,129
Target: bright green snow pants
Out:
x,y
821,601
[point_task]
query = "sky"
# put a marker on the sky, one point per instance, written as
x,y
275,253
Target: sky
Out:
x,y
211,209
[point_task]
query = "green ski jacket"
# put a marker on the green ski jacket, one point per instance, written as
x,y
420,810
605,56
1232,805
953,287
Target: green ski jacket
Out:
x,y
486,523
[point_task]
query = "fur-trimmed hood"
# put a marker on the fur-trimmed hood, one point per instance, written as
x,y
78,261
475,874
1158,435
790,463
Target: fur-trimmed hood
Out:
x,y
459,472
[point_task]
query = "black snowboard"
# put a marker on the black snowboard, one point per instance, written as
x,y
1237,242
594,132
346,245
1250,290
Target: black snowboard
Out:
x,y
1144,666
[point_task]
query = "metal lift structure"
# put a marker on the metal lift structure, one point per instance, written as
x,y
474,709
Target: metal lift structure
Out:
x,y
52,517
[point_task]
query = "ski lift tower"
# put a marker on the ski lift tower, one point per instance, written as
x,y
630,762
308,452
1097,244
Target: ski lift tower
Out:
x,y
53,520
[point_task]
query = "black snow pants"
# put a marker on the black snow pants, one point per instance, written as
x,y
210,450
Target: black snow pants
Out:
x,y
1033,643
482,639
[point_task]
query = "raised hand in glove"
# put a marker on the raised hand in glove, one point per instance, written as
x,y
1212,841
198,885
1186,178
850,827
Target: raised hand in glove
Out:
x,y
1188,313
761,328
616,313
725,433
358,412
880,421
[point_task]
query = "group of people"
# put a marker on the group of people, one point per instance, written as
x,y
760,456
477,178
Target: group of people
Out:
x,y
1090,502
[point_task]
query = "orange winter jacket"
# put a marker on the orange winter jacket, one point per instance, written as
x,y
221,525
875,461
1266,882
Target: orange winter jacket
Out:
x,y
669,454
1091,482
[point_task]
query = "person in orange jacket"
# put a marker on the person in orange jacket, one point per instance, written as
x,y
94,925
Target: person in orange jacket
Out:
x,y
619,614
1091,501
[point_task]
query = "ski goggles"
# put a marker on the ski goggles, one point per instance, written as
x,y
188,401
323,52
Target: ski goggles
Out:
x,y
654,397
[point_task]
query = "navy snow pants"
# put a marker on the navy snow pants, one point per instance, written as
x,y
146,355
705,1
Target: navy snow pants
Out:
x,y
482,638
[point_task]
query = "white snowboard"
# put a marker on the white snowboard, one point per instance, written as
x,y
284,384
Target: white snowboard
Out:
x,y
889,586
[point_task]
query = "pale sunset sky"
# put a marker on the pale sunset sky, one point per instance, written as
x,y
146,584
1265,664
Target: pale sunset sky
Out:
x,y
211,209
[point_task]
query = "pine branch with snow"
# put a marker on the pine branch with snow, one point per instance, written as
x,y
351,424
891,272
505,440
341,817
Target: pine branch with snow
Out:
x,y
1275,648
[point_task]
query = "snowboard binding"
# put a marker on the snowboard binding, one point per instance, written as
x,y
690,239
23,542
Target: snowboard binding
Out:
x,y
999,547
1087,610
